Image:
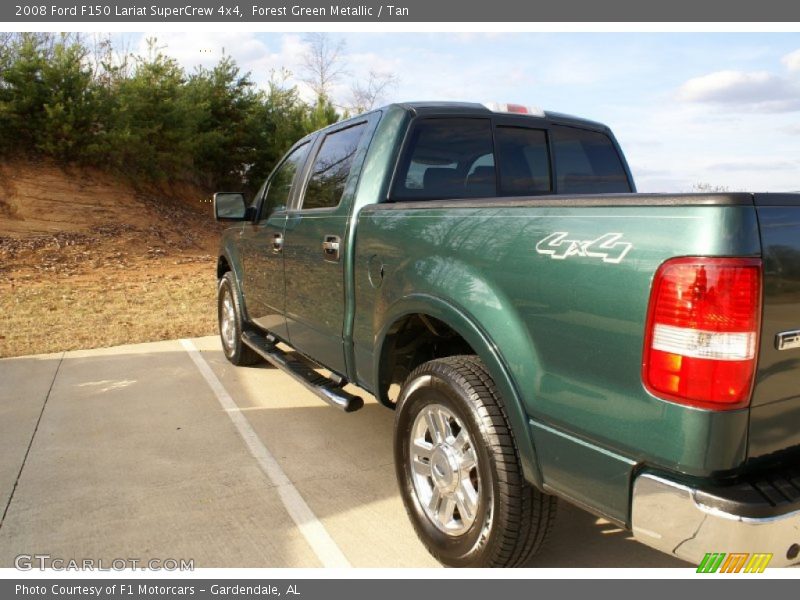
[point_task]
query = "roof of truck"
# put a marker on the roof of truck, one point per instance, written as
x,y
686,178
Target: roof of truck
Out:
x,y
438,107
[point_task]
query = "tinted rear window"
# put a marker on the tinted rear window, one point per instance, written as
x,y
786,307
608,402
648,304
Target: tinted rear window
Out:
x,y
587,162
448,158
524,161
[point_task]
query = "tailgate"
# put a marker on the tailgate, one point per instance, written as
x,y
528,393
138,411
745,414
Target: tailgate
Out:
x,y
775,413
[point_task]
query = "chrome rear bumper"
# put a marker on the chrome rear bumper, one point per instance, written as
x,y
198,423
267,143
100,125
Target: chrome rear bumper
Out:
x,y
688,523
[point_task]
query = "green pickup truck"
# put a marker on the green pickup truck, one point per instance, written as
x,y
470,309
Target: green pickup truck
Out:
x,y
541,330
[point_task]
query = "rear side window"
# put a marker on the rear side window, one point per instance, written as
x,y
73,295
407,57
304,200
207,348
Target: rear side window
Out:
x,y
524,161
332,167
587,162
447,158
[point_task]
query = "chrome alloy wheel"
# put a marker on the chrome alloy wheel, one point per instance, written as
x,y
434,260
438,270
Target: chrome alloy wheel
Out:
x,y
444,469
227,320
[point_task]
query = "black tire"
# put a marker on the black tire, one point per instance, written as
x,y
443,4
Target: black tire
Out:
x,y
235,351
513,518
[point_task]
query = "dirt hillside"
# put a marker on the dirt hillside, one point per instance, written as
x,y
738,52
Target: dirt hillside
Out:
x,y
87,260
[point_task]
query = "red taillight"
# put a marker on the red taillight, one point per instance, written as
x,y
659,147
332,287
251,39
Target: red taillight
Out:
x,y
702,331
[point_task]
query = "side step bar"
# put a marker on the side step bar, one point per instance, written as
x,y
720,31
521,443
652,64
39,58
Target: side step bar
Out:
x,y
327,389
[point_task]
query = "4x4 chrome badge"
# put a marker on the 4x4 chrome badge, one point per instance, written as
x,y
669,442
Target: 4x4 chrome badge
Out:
x,y
607,247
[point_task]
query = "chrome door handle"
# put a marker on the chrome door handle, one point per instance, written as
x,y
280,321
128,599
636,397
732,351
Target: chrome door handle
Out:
x,y
277,242
330,247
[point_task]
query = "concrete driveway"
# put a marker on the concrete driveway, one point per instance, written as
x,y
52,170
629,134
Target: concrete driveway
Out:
x,y
143,452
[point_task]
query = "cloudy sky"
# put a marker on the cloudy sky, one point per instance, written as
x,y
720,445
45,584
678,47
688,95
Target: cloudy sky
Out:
x,y
714,108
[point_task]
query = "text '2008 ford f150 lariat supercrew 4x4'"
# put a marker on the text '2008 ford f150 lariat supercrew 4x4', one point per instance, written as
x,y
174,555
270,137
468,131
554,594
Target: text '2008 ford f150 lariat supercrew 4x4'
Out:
x,y
540,329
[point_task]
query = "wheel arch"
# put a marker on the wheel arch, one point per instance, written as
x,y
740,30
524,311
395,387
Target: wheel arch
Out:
x,y
223,266
477,341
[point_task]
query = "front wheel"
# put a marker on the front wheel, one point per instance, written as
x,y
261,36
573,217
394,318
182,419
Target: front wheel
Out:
x,y
231,323
459,470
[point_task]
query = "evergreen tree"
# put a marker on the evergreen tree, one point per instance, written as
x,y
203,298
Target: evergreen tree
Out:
x,y
143,116
225,139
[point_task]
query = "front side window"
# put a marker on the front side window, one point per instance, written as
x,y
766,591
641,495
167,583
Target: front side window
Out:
x,y
332,167
587,162
280,184
447,158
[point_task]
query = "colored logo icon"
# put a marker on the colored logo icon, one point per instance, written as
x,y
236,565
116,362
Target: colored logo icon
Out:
x,y
742,562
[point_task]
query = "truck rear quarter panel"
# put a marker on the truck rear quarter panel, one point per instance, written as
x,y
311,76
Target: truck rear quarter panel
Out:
x,y
566,319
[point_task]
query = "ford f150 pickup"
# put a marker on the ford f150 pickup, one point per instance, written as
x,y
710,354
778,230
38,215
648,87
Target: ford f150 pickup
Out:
x,y
541,330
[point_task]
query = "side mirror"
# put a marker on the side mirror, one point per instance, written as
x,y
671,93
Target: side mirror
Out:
x,y
230,206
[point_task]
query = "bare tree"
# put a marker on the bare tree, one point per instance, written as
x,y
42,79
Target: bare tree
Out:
x,y
108,61
366,95
6,51
323,64
706,188
154,50
6,39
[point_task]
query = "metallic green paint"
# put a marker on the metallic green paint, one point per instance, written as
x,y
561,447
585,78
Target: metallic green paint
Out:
x,y
571,462
315,300
559,325
263,282
375,172
570,331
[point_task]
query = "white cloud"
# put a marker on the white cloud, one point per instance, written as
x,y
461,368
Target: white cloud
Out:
x,y
754,91
252,53
791,129
761,91
577,69
792,60
471,37
646,184
754,163
193,49
697,144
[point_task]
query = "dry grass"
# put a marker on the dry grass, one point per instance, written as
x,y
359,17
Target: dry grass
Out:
x,y
68,313
144,272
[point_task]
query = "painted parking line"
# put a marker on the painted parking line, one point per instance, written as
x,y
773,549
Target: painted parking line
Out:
x,y
318,538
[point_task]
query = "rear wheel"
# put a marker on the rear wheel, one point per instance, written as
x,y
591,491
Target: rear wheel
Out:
x,y
231,324
459,471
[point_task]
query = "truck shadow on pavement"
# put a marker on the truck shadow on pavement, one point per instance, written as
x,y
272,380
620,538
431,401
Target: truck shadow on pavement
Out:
x,y
582,540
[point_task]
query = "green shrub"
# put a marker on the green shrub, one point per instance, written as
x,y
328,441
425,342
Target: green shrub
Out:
x,y
145,117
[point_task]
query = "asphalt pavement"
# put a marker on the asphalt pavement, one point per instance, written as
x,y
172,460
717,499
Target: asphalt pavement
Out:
x,y
166,451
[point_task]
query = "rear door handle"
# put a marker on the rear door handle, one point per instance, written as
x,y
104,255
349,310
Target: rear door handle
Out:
x,y
330,247
277,242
